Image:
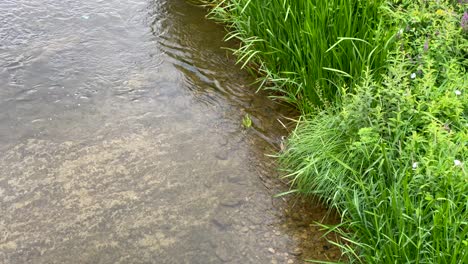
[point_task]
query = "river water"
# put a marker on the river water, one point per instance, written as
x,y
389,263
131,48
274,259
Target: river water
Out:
x,y
121,141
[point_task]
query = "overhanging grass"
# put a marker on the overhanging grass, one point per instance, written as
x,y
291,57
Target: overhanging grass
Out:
x,y
308,49
390,154
391,158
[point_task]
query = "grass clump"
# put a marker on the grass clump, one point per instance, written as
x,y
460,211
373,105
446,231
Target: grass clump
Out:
x,y
389,152
310,48
391,157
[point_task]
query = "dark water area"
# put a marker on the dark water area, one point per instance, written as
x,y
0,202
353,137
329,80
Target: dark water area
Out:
x,y
121,141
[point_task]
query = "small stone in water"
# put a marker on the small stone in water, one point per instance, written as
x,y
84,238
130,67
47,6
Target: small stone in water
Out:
x,y
296,252
271,250
222,155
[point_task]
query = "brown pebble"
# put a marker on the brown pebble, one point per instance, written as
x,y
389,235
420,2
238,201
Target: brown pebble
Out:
x,y
296,252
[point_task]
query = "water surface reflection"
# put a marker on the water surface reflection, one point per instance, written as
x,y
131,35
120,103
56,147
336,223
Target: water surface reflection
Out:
x,y
121,140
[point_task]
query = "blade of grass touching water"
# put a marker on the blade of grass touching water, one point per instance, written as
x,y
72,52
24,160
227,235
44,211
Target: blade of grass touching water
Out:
x,y
391,73
296,36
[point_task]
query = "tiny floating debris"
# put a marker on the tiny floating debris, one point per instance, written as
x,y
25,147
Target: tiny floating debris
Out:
x,y
246,121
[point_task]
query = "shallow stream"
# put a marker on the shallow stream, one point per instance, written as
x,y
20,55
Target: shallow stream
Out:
x,y
121,141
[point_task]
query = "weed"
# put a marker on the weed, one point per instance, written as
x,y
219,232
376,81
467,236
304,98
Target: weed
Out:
x,y
246,121
307,50
391,158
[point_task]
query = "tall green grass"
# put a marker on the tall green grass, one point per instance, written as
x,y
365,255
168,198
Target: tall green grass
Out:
x,y
392,157
307,50
389,151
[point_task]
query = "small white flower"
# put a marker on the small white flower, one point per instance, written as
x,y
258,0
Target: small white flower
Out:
x,y
415,165
457,163
413,75
400,31
457,92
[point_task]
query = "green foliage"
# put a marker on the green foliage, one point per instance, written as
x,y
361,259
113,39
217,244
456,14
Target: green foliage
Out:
x,y
307,49
246,121
391,154
392,157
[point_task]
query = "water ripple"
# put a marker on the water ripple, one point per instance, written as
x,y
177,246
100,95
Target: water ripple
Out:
x,y
121,138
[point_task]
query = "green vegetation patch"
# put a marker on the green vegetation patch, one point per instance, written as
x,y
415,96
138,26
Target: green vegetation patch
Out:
x,y
308,49
392,156
389,148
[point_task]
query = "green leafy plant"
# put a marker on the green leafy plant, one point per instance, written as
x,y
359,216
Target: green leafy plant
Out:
x,y
246,121
306,50
389,150
392,157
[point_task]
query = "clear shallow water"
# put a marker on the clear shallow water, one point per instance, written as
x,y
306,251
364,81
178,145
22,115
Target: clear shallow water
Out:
x,y
121,142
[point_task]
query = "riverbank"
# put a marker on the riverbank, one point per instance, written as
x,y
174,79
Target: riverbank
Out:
x,y
383,134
